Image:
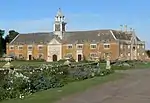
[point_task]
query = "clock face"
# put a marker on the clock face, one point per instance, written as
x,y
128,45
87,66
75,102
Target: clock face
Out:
x,y
57,27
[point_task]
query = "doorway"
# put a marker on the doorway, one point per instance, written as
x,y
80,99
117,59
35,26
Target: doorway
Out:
x,y
30,57
79,57
54,57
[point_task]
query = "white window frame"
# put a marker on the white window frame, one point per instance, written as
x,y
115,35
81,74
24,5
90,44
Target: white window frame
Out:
x,y
121,55
20,46
30,46
143,46
69,45
94,54
129,54
79,45
106,44
93,45
128,46
121,46
19,55
10,47
40,46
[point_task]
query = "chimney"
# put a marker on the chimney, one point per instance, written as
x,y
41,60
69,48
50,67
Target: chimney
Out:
x,y
125,28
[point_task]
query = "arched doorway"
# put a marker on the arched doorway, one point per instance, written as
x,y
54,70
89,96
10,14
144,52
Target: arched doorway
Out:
x,y
134,53
30,57
79,57
54,57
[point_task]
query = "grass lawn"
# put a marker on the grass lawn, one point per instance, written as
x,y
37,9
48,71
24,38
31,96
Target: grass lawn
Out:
x,y
31,63
52,95
142,66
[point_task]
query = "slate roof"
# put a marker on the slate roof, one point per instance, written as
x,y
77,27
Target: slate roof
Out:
x,y
123,35
74,37
92,36
31,38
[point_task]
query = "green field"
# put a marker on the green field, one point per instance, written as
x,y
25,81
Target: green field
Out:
x,y
17,63
52,95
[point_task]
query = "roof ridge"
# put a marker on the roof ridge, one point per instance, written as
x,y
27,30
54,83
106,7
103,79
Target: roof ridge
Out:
x,y
89,30
36,33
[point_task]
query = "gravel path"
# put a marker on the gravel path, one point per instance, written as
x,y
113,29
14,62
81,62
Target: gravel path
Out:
x,y
134,88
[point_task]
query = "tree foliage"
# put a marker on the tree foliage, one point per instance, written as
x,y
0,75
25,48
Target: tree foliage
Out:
x,y
12,34
2,44
148,52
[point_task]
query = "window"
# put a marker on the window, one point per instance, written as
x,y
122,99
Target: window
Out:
x,y
93,54
40,47
143,46
121,55
121,46
106,46
20,47
29,47
128,54
11,47
128,46
143,53
20,56
69,46
93,46
79,46
138,46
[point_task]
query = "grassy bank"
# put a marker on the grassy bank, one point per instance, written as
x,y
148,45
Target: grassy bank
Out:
x,y
52,95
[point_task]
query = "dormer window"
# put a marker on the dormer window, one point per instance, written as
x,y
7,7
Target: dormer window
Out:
x,y
20,47
79,46
11,47
30,47
69,46
93,46
106,46
40,47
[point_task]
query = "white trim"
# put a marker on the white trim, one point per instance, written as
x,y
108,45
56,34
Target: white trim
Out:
x,y
79,45
129,47
14,38
106,44
69,45
96,55
113,35
40,45
12,47
57,42
20,46
93,44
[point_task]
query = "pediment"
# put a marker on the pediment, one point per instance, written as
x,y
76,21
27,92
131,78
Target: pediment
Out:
x,y
54,41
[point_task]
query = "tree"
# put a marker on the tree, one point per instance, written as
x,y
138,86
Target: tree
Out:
x,y
2,44
148,52
12,34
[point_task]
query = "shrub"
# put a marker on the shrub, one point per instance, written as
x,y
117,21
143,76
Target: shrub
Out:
x,y
33,79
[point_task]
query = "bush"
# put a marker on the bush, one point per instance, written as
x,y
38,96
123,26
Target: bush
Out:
x,y
32,79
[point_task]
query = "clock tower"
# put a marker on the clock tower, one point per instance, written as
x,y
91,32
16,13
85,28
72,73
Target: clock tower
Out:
x,y
59,24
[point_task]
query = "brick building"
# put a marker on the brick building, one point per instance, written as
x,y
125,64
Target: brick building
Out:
x,y
61,44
